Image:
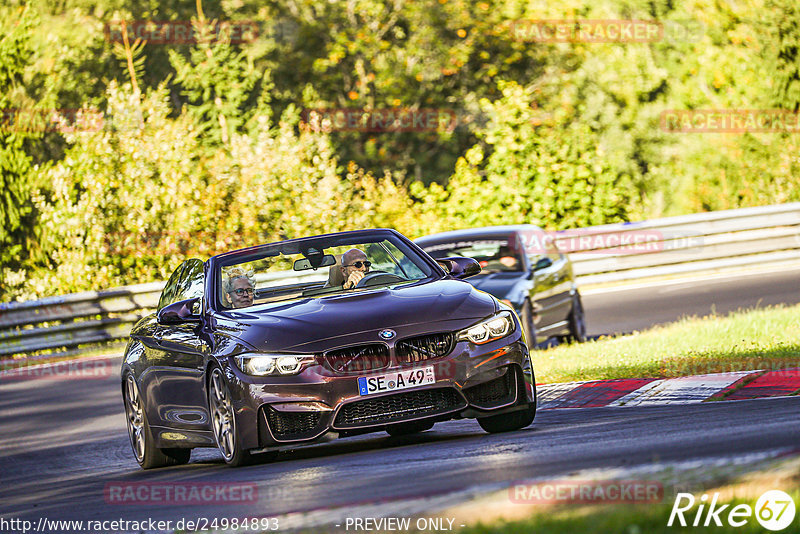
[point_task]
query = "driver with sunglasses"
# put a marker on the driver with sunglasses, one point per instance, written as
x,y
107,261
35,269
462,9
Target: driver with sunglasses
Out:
x,y
239,288
354,266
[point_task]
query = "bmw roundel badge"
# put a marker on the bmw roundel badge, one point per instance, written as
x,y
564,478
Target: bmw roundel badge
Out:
x,y
387,333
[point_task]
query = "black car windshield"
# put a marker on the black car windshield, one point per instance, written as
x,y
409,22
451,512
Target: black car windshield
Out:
x,y
313,268
493,253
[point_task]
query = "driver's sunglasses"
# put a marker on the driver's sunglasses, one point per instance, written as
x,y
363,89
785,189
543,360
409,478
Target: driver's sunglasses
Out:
x,y
242,291
359,263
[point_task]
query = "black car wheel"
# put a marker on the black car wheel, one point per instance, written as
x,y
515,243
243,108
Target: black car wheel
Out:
x,y
577,322
403,429
141,436
223,421
508,422
526,318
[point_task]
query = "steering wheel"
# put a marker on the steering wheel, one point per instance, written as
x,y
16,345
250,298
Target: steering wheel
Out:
x,y
377,278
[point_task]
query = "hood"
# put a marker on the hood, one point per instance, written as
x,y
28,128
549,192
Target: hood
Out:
x,y
318,324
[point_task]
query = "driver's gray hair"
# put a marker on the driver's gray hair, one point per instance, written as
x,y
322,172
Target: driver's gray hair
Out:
x,y
235,273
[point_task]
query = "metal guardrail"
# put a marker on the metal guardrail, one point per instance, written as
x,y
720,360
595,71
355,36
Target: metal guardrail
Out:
x,y
685,244
608,253
68,321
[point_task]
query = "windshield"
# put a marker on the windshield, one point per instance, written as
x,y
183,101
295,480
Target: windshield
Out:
x,y
318,267
493,253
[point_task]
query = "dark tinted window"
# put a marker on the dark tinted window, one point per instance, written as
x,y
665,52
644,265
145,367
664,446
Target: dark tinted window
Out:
x,y
493,253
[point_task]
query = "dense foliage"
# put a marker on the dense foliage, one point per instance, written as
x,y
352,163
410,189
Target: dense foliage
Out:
x,y
210,144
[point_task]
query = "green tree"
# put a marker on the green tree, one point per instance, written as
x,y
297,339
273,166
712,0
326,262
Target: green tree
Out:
x,y
16,232
531,168
786,54
218,82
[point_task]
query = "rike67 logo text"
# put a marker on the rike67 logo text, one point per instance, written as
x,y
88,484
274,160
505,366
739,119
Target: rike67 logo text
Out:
x,y
774,510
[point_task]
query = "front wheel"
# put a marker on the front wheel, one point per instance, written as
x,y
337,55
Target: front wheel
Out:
x,y
508,422
223,421
528,327
141,436
577,321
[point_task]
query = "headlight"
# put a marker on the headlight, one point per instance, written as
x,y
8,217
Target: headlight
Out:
x,y
272,364
490,329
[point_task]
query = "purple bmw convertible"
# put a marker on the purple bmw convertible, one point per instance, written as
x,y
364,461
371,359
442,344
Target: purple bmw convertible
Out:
x,y
309,339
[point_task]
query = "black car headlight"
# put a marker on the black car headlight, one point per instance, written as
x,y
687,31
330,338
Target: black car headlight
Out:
x,y
266,364
495,327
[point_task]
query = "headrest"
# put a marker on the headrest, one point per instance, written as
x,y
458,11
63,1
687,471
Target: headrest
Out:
x,y
335,276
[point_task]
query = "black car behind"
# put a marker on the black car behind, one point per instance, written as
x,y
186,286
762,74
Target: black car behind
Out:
x,y
522,266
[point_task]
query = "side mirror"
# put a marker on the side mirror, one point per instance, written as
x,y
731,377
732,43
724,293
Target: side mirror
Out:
x,y
179,312
542,263
459,267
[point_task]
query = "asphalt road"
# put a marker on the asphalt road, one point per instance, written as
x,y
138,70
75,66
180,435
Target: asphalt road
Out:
x,y
63,445
622,310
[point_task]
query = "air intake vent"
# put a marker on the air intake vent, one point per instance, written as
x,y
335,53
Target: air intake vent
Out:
x,y
421,348
398,407
292,425
496,392
357,359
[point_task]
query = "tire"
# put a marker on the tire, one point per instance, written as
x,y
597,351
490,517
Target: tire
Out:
x,y
528,327
577,321
508,422
403,429
223,421
141,436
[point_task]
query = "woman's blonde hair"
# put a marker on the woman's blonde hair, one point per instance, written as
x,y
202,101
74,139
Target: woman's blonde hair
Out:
x,y
236,272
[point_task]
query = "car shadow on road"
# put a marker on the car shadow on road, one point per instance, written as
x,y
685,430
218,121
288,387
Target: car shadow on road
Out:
x,y
375,442
554,342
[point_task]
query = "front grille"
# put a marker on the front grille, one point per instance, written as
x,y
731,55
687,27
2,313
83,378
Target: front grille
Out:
x,y
493,393
421,348
357,359
398,407
292,425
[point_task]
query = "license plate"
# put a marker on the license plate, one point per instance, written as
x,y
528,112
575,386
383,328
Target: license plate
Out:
x,y
367,385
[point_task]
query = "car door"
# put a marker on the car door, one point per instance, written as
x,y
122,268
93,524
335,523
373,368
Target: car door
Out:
x,y
562,284
149,334
551,288
178,359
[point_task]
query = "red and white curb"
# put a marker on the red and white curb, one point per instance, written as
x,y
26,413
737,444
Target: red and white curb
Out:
x,y
658,391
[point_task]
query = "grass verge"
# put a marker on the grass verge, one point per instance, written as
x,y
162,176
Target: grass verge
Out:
x,y
766,338
732,489
631,519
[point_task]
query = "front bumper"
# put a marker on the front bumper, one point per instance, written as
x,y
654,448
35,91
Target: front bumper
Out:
x,y
471,381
